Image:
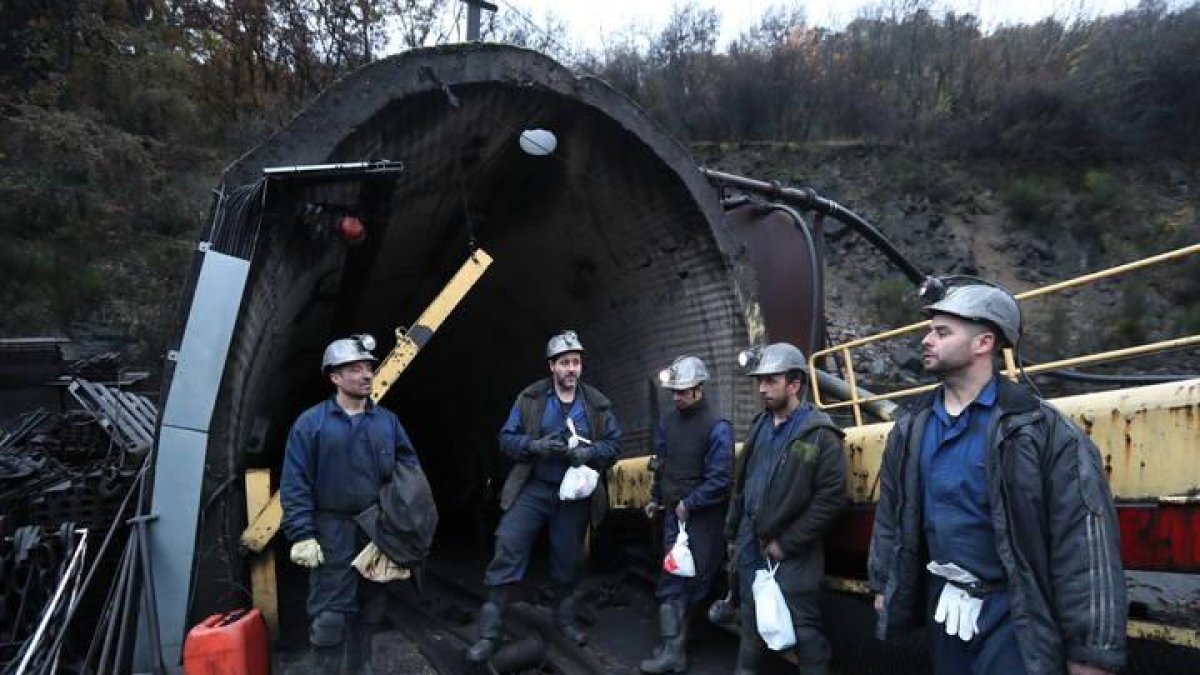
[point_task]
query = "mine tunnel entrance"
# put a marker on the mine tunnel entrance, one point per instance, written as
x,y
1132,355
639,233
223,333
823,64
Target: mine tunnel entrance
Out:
x,y
613,234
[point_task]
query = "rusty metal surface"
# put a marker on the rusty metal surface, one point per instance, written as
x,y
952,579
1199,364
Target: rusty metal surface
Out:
x,y
1148,437
787,292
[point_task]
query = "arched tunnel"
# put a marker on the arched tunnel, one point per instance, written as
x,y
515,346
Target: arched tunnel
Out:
x,y
615,234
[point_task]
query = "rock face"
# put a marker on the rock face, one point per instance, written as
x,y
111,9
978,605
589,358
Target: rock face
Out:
x,y
966,218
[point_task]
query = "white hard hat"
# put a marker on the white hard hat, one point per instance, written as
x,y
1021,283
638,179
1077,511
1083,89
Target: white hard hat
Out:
x,y
685,372
566,341
779,357
982,302
348,350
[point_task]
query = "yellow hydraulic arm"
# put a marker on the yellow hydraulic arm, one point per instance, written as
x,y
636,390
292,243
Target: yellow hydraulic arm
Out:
x,y
264,524
409,342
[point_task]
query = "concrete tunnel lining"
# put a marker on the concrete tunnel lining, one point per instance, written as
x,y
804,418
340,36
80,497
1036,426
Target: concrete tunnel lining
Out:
x,y
615,235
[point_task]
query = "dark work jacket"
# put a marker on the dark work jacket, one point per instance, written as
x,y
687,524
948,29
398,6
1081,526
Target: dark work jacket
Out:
x,y
805,494
1056,533
404,521
681,466
602,425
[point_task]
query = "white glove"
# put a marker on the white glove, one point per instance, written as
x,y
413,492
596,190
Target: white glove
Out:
x,y
307,553
957,610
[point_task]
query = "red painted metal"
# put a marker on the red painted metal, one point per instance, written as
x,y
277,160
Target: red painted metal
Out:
x,y
1154,537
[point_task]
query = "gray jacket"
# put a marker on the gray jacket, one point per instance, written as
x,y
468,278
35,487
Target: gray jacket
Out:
x,y
1056,533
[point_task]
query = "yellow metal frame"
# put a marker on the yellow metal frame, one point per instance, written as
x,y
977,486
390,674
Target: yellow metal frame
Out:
x,y
1010,367
430,320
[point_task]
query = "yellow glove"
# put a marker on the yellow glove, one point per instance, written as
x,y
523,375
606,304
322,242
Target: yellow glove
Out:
x,y
307,553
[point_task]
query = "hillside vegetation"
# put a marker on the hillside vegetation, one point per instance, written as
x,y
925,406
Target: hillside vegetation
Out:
x,y
1029,153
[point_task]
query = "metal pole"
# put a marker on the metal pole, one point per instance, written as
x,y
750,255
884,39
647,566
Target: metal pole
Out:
x,y
31,646
474,16
472,21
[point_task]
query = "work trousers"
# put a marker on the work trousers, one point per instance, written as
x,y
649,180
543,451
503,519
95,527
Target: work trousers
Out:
x,y
706,539
536,507
335,586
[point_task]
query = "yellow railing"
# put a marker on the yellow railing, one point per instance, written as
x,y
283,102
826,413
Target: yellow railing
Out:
x,y
1010,367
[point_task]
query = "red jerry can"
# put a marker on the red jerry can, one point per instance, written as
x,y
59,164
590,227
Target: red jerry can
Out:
x,y
234,643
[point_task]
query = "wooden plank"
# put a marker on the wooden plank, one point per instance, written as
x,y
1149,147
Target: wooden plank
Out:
x,y
262,568
264,525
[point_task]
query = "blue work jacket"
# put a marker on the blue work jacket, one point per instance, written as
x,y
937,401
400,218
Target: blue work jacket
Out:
x,y
336,463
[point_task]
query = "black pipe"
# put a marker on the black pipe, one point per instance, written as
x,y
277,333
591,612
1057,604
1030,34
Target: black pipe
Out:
x,y
807,199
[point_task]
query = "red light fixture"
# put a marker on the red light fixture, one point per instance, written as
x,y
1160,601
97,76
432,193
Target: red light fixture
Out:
x,y
351,229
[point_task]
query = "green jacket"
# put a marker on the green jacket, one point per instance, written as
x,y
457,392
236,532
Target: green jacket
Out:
x,y
804,497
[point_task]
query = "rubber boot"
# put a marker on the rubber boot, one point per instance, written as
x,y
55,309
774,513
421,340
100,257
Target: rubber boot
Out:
x,y
750,657
671,655
491,624
566,616
358,650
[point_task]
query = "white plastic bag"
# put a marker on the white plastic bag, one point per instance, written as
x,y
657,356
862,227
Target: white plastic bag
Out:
x,y
679,559
578,483
770,610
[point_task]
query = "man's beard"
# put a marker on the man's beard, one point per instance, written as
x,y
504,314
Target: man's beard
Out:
x,y
774,405
945,366
562,383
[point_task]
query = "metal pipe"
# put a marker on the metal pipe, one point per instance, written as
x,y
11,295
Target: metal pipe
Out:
x,y
882,409
808,199
114,609
349,168
101,551
52,607
128,612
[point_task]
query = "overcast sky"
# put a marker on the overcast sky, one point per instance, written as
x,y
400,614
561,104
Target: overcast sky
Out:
x,y
589,20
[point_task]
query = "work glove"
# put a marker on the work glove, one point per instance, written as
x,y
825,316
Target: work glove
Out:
x,y
580,454
307,553
650,509
957,609
375,566
547,446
